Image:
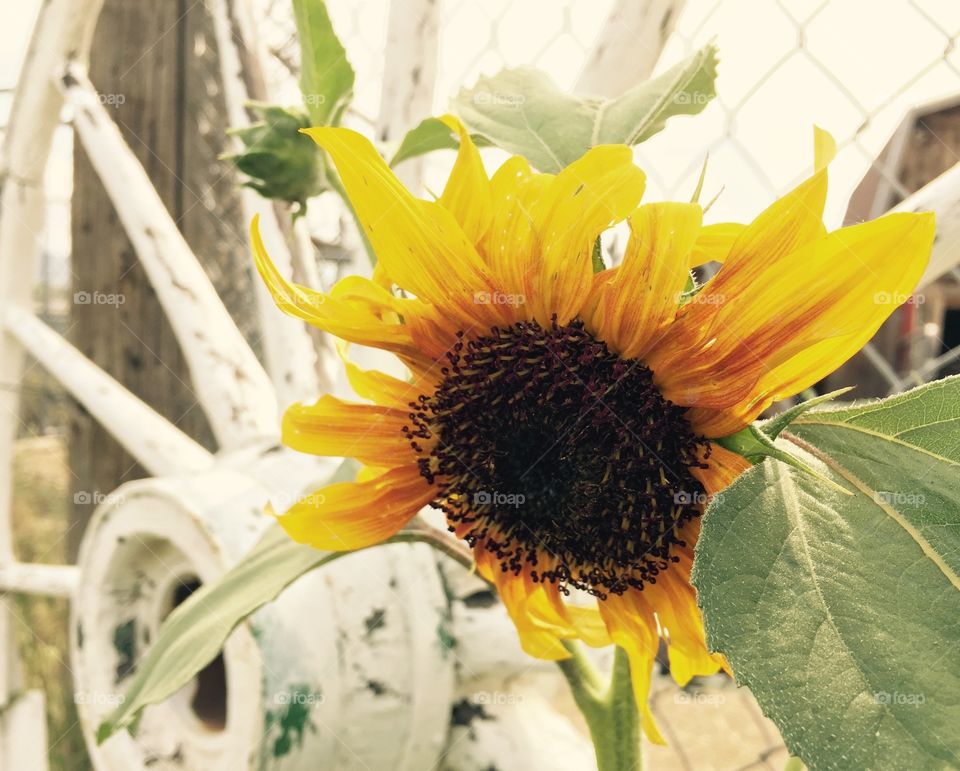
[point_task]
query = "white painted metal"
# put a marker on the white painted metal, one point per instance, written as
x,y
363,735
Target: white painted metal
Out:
x,y
234,390
353,650
25,727
629,45
157,444
38,578
514,725
64,29
143,546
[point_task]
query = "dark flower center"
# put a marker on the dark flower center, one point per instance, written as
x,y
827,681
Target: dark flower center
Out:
x,y
560,457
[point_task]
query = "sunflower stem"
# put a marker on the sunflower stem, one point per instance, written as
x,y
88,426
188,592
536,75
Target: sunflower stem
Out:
x,y
610,710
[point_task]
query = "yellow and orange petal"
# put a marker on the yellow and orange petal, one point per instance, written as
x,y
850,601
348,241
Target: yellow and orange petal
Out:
x,y
764,340
371,433
352,515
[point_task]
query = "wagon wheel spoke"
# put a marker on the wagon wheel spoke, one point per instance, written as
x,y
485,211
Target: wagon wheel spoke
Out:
x,y
156,443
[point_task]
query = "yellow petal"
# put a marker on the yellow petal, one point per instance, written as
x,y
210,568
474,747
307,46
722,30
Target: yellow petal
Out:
x,y
510,244
365,322
368,432
588,196
784,327
376,386
714,242
674,601
824,148
588,625
723,466
381,277
633,627
537,639
643,296
430,331
467,194
786,225
422,247
547,607
353,515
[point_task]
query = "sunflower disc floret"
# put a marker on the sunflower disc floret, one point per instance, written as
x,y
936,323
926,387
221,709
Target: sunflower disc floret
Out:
x,y
559,457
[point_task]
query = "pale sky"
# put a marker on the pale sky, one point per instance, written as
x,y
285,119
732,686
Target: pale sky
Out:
x,y
852,66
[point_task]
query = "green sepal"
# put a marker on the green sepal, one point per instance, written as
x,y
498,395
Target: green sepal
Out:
x,y
690,289
695,198
778,423
754,445
597,257
281,162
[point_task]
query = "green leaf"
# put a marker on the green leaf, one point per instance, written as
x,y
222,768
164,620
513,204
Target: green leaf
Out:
x,y
429,135
695,198
842,613
326,77
195,631
523,111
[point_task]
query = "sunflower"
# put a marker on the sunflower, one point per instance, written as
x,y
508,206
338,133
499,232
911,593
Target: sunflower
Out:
x,y
564,419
